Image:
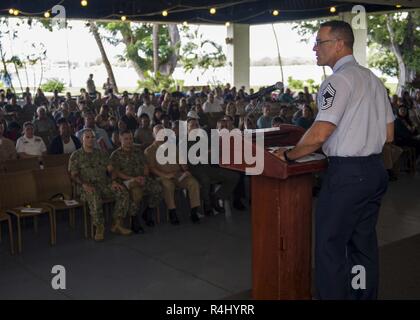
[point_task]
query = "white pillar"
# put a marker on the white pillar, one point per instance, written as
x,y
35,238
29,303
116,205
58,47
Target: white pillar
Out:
x,y
358,22
238,54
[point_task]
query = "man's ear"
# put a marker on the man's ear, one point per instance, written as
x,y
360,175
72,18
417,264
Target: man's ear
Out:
x,y
340,45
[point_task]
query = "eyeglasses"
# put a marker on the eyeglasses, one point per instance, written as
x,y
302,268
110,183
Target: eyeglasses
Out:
x,y
317,43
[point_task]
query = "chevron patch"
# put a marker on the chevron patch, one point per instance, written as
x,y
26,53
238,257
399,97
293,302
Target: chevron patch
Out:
x,y
328,97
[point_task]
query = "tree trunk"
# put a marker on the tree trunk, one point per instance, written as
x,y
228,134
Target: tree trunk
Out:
x,y
18,76
5,72
128,39
169,67
278,53
405,75
105,60
155,40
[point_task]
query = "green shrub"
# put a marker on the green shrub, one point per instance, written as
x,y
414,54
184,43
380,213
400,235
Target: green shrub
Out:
x,y
53,84
158,82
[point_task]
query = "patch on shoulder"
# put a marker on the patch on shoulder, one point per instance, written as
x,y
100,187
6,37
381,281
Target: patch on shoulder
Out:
x,y
328,96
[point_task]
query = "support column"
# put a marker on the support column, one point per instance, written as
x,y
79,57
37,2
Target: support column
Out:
x,y
238,54
358,22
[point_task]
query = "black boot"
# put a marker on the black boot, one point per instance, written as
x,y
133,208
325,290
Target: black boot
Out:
x,y
173,217
135,225
194,215
148,217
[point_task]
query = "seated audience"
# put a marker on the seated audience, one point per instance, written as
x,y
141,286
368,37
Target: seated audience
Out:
x,y
265,120
30,145
65,142
7,146
172,176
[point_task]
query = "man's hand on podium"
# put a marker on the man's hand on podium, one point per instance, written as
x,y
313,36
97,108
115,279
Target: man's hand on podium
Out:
x,y
280,153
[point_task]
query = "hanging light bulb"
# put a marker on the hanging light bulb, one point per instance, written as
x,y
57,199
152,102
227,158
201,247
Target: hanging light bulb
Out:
x,y
123,18
398,6
84,3
164,13
276,12
333,9
227,24
11,10
15,12
185,24
213,10
46,14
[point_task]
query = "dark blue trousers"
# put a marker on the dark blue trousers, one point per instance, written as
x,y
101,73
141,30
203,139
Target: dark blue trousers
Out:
x,y
345,227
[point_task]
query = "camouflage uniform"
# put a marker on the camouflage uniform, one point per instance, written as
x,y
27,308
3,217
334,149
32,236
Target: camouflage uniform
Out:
x,y
133,164
91,168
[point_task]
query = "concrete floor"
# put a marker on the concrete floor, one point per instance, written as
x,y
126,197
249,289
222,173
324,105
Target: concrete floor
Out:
x,y
211,260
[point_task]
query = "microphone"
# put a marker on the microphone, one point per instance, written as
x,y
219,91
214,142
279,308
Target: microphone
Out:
x,y
278,86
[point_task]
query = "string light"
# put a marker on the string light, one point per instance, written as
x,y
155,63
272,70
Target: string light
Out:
x,y
227,24
333,9
46,14
185,24
11,10
164,13
398,6
213,10
123,18
276,12
15,12
84,3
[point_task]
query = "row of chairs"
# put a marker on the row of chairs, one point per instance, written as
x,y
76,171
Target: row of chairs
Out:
x,y
22,190
40,189
34,163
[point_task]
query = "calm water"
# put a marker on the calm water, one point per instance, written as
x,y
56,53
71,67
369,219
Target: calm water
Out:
x,y
127,77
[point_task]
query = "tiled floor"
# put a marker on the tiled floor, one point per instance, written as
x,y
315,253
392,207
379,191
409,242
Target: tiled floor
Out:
x,y
207,261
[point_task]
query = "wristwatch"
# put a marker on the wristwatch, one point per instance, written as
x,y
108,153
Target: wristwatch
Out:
x,y
288,160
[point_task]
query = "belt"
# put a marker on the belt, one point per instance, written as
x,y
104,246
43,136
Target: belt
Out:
x,y
371,158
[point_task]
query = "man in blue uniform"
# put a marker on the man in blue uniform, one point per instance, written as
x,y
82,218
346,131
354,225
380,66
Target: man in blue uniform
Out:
x,y
355,120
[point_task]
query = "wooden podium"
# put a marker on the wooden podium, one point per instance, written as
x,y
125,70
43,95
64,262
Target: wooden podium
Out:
x,y
281,220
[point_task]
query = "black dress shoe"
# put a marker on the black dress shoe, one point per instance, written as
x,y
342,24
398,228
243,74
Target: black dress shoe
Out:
x,y
237,204
136,226
208,212
195,218
147,217
173,217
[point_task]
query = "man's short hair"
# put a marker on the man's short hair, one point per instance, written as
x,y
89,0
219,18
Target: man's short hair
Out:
x,y
62,121
144,115
125,131
276,120
87,114
342,30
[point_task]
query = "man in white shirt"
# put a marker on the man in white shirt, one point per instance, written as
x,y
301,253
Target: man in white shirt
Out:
x,y
211,105
147,107
29,145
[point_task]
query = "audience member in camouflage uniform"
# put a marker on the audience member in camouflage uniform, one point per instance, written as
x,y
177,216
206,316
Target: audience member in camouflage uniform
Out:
x,y
88,167
129,164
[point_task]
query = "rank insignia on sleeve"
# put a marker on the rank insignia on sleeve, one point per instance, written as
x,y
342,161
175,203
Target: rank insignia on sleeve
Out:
x,y
328,97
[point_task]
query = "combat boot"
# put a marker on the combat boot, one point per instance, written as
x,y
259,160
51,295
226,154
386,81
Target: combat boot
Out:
x,y
117,227
99,234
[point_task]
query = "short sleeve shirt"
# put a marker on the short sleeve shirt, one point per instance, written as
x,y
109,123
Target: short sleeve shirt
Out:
x,y
356,101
